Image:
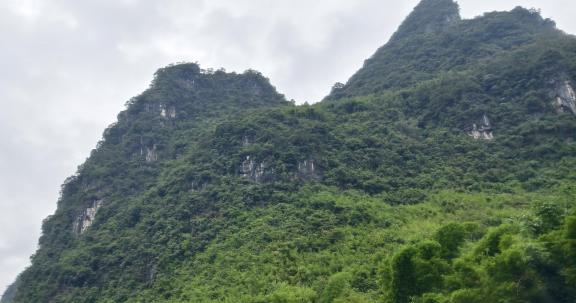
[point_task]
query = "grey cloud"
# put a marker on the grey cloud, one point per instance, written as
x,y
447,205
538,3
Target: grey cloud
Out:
x,y
68,66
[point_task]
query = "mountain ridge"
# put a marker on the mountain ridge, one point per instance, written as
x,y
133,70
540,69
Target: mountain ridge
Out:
x,y
441,172
391,60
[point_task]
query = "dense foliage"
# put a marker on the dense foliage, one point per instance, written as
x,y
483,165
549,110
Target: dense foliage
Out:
x,y
213,188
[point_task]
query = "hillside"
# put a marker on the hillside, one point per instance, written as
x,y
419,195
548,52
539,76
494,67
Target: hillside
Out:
x,y
442,171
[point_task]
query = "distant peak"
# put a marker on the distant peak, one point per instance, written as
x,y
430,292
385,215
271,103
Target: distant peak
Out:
x,y
188,75
429,16
186,91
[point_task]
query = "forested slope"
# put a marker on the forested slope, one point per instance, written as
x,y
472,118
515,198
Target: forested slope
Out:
x,y
442,171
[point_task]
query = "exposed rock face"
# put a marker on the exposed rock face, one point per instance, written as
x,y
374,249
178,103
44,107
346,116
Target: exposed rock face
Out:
x,y
260,172
483,130
148,151
166,111
197,186
86,218
308,170
252,170
151,154
565,98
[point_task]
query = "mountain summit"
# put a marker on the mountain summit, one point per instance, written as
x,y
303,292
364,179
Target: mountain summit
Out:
x,y
434,40
443,171
429,16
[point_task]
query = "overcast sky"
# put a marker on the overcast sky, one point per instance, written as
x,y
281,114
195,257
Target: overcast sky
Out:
x,y
68,66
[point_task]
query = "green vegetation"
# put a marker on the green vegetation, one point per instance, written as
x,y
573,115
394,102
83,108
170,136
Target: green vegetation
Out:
x,y
212,188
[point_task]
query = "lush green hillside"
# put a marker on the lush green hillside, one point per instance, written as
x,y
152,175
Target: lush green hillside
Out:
x,y
443,171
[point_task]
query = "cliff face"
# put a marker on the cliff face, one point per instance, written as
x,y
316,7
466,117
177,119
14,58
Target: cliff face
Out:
x,y
566,98
450,151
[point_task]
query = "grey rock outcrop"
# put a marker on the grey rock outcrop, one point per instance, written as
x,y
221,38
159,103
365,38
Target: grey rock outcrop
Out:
x,y
165,111
482,130
151,154
196,186
565,98
309,170
84,220
253,170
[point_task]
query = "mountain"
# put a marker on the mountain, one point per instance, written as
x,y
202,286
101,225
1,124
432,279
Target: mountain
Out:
x,y
442,171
